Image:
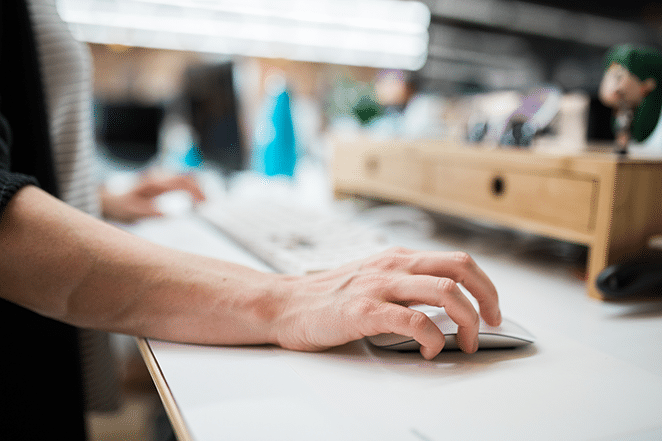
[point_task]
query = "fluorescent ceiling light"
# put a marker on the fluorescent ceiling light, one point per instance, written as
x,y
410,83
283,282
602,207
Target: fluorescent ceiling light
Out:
x,y
380,33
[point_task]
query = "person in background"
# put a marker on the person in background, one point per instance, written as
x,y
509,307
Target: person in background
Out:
x,y
139,201
62,270
406,110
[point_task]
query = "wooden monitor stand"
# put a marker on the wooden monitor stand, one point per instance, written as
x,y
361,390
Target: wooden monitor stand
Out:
x,y
610,203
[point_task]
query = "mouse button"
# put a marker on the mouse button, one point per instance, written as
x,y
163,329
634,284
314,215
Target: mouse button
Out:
x,y
510,329
504,327
445,324
439,317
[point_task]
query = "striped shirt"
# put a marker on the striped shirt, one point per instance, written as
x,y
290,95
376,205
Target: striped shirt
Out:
x,y
67,77
66,72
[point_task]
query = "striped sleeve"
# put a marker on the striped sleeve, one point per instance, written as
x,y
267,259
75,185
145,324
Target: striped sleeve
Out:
x,y
66,72
67,75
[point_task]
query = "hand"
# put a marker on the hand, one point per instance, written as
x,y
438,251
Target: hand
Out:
x,y
139,202
93,275
370,297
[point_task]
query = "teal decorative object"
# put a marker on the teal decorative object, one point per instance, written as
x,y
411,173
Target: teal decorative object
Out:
x,y
275,148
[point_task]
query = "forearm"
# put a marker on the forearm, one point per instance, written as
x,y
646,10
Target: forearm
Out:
x,y
69,266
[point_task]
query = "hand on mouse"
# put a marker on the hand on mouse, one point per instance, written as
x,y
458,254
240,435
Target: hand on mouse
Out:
x,y
139,202
72,267
372,296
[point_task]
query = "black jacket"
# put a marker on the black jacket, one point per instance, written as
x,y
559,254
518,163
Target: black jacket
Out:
x,y
40,379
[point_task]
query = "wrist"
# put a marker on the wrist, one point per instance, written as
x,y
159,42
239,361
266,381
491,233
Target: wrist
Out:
x,y
280,309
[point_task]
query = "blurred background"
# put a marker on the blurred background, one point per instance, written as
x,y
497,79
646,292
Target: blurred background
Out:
x,y
201,73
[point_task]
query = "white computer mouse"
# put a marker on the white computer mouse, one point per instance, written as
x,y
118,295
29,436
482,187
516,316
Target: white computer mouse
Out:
x,y
508,335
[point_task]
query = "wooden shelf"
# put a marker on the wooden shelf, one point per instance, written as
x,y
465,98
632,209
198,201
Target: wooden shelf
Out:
x,y
610,203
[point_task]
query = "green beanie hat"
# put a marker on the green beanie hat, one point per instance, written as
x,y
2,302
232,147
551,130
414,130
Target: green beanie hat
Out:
x,y
645,63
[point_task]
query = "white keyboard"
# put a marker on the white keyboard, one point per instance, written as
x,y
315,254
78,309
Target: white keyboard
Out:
x,y
293,239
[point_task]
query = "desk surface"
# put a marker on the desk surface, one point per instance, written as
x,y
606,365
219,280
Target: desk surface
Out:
x,y
595,372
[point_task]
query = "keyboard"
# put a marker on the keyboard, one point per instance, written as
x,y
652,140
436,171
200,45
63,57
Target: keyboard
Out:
x,y
293,239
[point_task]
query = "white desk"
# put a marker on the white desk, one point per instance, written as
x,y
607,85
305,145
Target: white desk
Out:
x,y
595,372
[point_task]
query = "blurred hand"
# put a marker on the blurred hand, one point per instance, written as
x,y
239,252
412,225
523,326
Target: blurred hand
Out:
x,y
140,201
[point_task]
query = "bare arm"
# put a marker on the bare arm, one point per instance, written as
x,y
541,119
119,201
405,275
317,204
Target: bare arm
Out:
x,y
69,266
72,267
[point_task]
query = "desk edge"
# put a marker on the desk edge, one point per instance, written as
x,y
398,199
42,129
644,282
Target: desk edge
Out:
x,y
170,405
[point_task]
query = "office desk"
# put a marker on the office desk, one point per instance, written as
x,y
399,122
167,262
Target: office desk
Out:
x,y
595,372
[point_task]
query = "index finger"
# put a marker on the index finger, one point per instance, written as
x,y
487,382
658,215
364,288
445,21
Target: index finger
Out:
x,y
411,323
460,267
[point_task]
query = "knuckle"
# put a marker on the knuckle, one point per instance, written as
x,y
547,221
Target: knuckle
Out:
x,y
476,319
398,250
463,259
446,285
363,307
384,285
388,262
418,321
395,258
